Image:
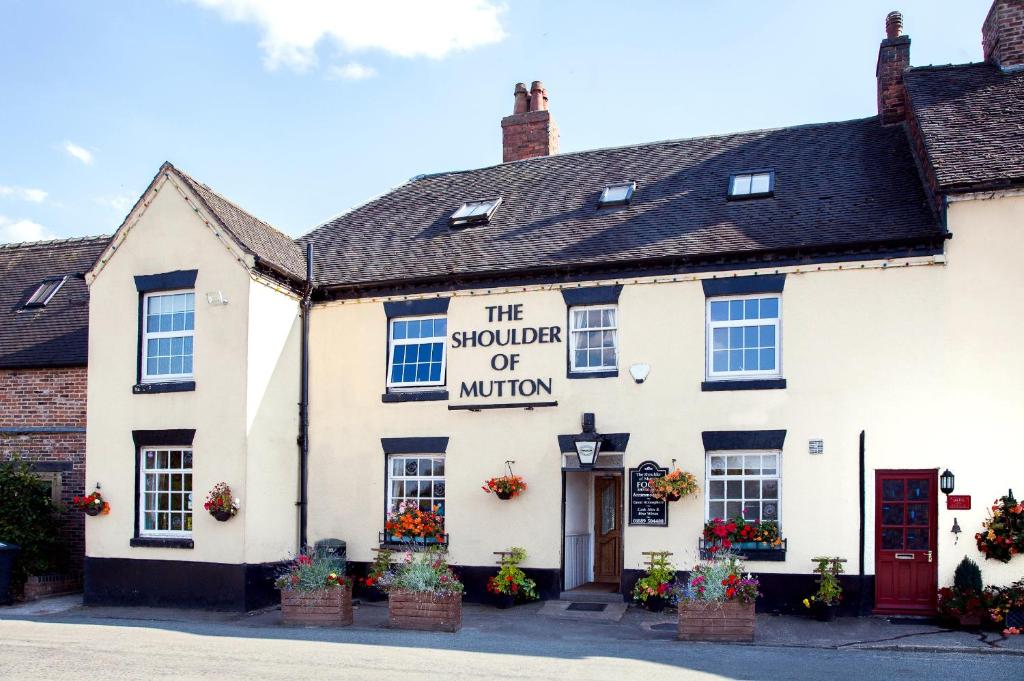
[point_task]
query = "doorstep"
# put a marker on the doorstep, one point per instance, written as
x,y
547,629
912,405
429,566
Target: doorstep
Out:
x,y
587,610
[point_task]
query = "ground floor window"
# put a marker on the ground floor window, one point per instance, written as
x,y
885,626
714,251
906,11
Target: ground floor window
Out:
x,y
166,484
418,480
745,484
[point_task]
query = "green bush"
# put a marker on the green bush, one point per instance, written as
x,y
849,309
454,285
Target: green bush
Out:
x,y
967,577
29,519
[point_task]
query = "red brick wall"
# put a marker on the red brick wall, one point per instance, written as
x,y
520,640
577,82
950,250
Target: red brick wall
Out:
x,y
530,131
893,60
1002,35
42,420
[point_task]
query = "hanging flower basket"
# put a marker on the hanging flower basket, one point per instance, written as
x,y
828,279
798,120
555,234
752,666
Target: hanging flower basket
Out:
x,y
92,505
220,503
505,487
1002,535
673,486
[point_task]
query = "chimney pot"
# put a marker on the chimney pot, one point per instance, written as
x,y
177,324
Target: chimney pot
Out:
x,y
893,25
893,60
522,99
530,131
538,97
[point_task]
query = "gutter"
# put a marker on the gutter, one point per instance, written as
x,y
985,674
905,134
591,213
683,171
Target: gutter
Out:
x,y
303,439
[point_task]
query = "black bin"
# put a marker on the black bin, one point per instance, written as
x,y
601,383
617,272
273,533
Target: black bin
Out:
x,y
8,553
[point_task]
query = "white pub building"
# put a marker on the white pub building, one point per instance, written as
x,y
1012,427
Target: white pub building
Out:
x,y
816,321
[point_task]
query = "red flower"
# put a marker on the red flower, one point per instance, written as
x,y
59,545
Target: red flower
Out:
x,y
730,592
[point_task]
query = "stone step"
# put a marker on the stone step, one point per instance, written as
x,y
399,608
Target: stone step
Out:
x,y
591,597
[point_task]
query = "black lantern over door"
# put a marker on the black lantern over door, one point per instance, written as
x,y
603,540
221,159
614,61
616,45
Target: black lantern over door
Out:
x,y
946,481
588,443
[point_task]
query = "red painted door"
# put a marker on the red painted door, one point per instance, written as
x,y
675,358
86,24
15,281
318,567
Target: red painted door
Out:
x,y
906,560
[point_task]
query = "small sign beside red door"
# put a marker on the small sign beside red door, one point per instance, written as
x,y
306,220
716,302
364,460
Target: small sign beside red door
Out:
x,y
958,502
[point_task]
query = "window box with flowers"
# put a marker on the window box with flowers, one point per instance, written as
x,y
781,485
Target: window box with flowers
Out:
x,y
220,503
315,591
411,526
754,540
717,601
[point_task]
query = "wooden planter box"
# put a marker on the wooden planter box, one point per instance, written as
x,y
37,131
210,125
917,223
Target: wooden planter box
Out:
x,y
424,611
325,608
729,621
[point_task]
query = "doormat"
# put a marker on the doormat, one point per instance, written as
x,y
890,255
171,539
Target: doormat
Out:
x,y
588,607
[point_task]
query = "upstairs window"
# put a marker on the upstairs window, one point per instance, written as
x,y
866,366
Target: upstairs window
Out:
x,y
168,334
743,337
46,290
752,185
617,194
417,356
475,213
593,338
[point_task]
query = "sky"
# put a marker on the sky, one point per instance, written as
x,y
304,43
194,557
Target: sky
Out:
x,y
298,110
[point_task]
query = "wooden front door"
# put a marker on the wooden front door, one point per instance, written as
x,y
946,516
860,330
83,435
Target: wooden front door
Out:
x,y
607,528
906,556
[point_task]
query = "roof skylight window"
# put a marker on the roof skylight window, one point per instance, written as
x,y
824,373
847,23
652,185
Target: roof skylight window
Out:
x,y
475,212
752,185
616,194
46,290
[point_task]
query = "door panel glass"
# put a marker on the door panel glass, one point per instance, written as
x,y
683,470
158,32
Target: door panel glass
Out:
x,y
892,539
892,514
917,514
608,509
892,490
917,489
917,538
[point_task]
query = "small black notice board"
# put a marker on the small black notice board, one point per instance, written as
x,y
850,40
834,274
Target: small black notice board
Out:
x,y
644,509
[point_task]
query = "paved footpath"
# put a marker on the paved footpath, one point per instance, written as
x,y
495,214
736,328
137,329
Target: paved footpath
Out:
x,y
63,641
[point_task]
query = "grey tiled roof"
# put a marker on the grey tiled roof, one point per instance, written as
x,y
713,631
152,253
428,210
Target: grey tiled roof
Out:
x,y
57,334
972,120
837,184
260,239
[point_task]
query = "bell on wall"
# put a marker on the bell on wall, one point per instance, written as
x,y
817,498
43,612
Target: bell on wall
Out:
x,y
956,531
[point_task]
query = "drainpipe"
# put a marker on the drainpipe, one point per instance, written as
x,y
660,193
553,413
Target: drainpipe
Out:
x,y
863,502
307,305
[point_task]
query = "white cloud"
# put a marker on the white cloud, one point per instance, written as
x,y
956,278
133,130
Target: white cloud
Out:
x,y
81,153
16,231
351,71
23,193
403,28
120,203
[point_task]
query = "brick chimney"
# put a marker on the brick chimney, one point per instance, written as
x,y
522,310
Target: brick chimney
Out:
x,y
893,60
1002,34
530,131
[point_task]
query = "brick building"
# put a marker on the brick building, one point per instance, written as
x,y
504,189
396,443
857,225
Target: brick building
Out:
x,y
43,351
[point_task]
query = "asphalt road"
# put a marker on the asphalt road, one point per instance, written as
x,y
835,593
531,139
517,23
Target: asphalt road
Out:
x,y
123,649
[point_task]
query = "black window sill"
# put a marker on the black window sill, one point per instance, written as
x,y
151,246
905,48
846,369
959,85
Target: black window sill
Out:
x,y
418,396
611,373
753,384
163,542
766,555
173,387
760,555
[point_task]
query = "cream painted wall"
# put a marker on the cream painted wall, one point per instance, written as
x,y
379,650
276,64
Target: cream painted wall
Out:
x,y
246,373
922,358
272,423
